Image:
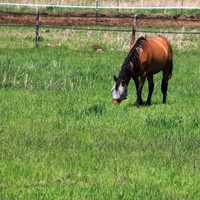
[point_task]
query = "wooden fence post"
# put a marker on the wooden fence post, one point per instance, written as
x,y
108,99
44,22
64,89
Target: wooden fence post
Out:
x,y
37,29
118,4
182,3
97,7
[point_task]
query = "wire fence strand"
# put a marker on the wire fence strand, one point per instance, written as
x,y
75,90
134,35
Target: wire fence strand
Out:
x,y
106,29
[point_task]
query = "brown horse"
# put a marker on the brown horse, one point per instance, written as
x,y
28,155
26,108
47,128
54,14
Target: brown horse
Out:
x,y
148,56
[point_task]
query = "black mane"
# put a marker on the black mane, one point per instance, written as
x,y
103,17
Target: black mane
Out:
x,y
133,57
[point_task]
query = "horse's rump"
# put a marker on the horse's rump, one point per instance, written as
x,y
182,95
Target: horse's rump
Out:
x,y
156,54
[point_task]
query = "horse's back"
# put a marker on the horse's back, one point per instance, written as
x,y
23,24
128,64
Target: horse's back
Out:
x,y
159,53
160,47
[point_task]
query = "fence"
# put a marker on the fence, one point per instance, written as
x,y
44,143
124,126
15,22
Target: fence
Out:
x,y
98,7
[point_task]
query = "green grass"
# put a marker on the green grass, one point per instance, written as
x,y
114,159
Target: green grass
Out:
x,y
51,10
60,137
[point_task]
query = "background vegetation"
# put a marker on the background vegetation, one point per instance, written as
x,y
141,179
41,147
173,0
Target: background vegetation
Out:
x,y
114,2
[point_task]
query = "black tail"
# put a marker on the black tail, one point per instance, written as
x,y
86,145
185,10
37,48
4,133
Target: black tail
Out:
x,y
170,68
170,62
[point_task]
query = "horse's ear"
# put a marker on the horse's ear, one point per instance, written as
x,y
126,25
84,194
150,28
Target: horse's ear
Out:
x,y
115,78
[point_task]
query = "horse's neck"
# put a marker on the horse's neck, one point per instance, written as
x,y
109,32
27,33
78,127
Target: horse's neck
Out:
x,y
125,73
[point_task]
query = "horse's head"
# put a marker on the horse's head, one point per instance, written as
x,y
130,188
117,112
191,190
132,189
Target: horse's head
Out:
x,y
119,90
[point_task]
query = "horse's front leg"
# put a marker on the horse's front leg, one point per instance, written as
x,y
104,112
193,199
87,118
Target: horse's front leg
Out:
x,y
139,83
151,88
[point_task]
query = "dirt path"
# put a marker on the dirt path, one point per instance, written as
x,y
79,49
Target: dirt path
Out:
x,y
161,21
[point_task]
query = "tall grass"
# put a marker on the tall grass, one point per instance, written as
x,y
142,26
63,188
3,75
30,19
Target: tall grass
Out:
x,y
60,137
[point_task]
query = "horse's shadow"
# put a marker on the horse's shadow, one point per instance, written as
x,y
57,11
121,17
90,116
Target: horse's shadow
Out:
x,y
154,103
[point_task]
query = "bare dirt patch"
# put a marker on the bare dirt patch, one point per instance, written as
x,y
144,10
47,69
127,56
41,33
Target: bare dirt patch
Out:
x,y
89,18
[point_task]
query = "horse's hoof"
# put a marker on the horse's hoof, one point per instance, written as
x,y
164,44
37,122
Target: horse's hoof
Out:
x,y
115,102
148,103
138,104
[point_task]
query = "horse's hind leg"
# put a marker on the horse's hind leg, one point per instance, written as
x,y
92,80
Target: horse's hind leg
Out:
x,y
167,74
164,87
151,88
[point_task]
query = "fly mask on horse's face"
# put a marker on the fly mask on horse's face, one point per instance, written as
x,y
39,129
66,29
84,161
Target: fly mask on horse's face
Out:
x,y
119,91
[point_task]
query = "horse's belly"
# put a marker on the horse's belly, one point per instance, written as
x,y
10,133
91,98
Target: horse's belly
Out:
x,y
158,62
155,67
156,70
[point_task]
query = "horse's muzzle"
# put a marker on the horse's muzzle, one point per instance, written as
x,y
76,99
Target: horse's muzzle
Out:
x,y
116,101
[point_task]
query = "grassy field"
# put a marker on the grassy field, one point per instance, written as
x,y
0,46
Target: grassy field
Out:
x,y
51,10
60,137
